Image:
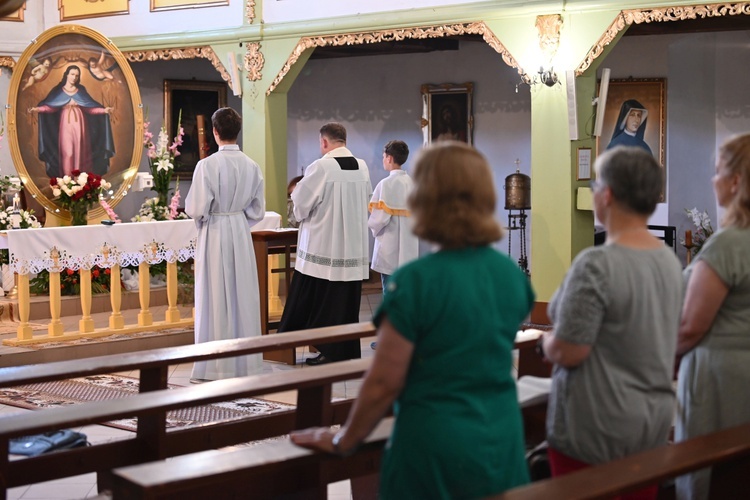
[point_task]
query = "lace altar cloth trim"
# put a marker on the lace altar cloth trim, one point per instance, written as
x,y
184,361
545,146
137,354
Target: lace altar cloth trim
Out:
x,y
82,247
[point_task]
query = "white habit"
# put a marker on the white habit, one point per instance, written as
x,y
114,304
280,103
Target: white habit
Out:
x,y
225,199
390,223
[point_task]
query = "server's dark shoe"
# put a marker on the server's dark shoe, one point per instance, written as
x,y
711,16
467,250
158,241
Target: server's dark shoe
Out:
x,y
319,360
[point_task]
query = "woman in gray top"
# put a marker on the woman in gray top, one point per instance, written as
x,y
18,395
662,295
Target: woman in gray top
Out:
x,y
615,327
714,336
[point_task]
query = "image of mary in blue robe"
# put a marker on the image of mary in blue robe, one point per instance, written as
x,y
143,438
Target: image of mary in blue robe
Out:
x,y
74,130
624,137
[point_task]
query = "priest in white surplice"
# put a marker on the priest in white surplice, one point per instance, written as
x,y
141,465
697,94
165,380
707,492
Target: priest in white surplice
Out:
x,y
333,251
225,199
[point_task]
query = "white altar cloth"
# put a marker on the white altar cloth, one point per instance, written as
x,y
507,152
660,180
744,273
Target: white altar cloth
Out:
x,y
82,247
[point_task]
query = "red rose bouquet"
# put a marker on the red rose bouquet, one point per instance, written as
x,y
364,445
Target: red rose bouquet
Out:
x,y
78,192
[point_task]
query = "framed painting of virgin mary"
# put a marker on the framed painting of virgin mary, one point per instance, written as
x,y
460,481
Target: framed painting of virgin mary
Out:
x,y
74,105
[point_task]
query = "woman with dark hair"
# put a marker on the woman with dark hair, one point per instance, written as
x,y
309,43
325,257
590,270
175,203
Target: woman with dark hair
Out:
x,y
714,336
74,129
631,126
615,323
458,432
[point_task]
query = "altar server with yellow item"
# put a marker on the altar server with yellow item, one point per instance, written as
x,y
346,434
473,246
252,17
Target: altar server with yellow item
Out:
x,y
390,221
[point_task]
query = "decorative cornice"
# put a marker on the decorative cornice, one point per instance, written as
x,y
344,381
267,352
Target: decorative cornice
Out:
x,y
638,16
180,53
438,31
254,62
250,11
610,34
548,28
7,61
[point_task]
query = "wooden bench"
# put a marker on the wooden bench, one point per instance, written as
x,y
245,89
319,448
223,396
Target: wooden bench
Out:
x,y
728,451
272,469
151,441
154,364
267,470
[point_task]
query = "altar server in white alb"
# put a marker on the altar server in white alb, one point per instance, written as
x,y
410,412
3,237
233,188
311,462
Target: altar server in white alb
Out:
x,y
332,248
226,199
389,221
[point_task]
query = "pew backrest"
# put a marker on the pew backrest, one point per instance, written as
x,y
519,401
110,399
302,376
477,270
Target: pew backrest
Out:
x,y
154,364
267,470
727,450
151,440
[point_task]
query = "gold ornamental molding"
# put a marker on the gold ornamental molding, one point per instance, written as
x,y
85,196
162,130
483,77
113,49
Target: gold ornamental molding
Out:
x,y
440,31
250,11
181,53
7,62
549,28
665,14
254,62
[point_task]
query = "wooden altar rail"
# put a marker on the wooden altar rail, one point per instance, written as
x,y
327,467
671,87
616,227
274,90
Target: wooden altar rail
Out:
x,y
86,328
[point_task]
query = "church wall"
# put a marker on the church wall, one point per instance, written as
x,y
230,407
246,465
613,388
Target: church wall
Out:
x,y
140,21
150,77
706,103
6,164
378,99
275,11
679,63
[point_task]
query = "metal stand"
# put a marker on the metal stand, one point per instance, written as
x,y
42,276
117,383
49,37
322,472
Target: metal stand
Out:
x,y
517,222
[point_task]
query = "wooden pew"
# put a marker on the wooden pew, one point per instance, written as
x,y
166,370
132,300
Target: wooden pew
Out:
x,y
272,469
151,440
267,470
727,450
154,364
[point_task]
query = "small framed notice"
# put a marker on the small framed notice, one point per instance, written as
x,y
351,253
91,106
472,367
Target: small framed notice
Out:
x,y
584,164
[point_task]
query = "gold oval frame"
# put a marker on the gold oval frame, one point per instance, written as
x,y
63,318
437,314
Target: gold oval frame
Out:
x,y
119,175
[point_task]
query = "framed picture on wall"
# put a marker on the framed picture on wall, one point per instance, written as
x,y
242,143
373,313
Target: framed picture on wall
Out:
x,y
15,16
157,5
447,112
635,115
83,9
74,104
197,101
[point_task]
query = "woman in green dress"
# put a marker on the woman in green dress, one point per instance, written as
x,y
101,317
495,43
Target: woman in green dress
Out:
x,y
446,330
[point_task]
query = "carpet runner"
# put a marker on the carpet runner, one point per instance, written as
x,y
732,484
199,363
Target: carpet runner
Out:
x,y
104,387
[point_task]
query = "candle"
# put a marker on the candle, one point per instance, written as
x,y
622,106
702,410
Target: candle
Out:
x,y
688,238
16,200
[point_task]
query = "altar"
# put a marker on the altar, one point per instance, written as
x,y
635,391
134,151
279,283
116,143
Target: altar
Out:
x,y
80,248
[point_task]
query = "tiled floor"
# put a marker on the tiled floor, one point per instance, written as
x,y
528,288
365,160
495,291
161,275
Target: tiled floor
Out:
x,y
84,486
